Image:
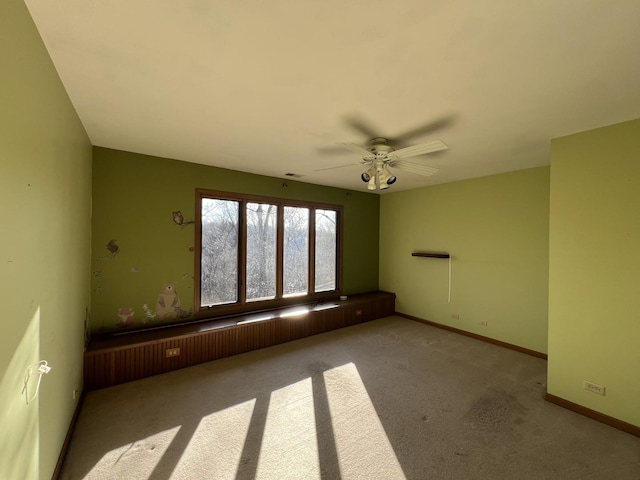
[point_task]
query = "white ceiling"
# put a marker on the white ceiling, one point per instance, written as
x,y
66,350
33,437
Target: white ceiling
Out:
x,y
269,87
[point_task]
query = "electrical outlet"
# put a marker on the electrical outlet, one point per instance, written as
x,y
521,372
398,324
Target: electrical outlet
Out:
x,y
455,316
172,352
74,394
484,324
594,387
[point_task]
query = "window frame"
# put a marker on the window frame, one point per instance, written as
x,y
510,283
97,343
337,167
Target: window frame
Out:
x,y
242,305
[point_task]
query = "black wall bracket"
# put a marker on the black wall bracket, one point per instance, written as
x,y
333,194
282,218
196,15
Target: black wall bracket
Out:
x,y
430,255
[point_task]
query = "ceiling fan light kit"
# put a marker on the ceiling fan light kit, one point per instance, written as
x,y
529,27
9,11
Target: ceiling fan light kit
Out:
x,y
366,176
378,176
386,179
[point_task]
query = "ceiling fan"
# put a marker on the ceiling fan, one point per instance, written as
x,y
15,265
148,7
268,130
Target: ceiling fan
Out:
x,y
380,153
379,156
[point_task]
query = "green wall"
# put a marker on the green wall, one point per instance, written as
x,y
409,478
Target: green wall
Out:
x,y
594,286
45,191
134,197
496,229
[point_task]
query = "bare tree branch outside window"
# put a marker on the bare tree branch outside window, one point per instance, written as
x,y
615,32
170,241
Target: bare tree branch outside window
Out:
x,y
219,256
326,250
261,251
296,250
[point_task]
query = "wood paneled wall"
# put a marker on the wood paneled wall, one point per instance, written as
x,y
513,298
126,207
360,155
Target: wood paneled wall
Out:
x,y
120,359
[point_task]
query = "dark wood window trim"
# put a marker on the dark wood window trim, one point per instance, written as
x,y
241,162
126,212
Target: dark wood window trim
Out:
x,y
280,300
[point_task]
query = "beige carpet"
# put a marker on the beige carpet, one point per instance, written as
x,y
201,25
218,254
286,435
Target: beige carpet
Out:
x,y
390,399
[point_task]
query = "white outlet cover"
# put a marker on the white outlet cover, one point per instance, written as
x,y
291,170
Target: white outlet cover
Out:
x,y
594,387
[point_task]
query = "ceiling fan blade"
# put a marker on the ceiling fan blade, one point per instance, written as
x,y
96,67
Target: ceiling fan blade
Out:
x,y
421,148
340,166
412,167
424,129
361,125
358,149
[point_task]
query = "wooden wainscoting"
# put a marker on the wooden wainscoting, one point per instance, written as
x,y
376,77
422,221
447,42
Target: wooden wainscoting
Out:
x,y
123,358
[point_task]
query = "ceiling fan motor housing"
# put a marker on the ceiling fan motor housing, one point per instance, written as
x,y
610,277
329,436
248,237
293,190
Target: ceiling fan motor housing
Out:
x,y
380,146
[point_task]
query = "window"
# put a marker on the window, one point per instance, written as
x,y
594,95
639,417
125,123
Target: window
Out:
x,y
254,252
296,251
326,251
261,251
220,233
